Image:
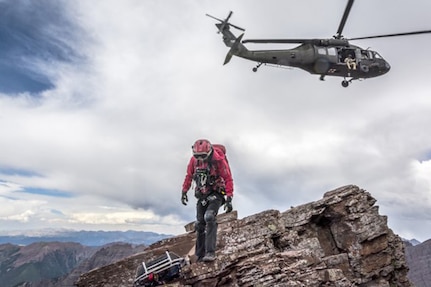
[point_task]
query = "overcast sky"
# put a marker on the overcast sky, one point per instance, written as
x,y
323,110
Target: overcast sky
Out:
x,y
100,102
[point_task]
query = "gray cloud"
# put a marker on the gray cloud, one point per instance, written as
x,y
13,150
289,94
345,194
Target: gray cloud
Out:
x,y
33,35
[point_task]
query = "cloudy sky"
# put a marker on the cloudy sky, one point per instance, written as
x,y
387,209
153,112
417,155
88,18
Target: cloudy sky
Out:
x,y
100,102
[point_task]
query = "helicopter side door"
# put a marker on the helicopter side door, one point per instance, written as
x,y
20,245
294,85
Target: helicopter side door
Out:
x,y
325,59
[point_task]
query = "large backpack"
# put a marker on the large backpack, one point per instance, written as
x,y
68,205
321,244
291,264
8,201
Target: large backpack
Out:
x,y
222,148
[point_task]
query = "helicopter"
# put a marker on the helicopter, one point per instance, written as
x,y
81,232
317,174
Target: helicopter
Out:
x,y
325,57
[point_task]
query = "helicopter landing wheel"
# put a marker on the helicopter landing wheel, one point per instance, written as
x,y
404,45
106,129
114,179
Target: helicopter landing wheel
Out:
x,y
345,83
257,67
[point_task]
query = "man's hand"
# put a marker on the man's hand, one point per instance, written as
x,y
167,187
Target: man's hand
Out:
x,y
184,198
228,204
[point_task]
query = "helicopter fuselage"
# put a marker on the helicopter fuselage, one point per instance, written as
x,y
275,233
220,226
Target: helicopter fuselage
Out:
x,y
323,60
325,57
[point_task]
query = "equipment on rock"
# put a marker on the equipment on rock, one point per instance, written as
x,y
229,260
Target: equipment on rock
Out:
x,y
159,271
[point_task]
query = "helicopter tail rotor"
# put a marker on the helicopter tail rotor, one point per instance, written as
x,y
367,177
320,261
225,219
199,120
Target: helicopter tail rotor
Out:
x,y
224,24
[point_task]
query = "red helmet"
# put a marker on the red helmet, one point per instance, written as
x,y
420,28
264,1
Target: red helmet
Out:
x,y
202,149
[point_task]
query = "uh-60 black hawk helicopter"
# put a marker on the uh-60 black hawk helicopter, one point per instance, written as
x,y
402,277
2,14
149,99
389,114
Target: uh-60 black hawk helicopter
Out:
x,y
325,57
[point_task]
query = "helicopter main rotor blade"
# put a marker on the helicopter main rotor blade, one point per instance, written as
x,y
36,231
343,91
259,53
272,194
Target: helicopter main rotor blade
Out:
x,y
228,16
393,35
214,17
344,19
237,27
318,42
278,41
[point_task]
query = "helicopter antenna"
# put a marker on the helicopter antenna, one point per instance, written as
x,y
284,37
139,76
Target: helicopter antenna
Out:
x,y
343,20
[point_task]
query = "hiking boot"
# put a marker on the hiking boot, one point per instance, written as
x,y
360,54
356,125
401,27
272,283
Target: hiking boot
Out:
x,y
209,257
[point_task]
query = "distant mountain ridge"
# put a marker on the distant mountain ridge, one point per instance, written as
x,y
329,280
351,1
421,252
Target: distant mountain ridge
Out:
x,y
414,242
87,238
55,264
419,260
56,257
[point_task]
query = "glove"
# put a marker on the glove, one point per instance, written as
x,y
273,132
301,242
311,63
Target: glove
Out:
x,y
228,204
184,198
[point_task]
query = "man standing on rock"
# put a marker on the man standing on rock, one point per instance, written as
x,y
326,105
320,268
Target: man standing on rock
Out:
x,y
209,169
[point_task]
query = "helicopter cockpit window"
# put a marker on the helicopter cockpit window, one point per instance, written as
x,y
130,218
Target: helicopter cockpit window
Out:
x,y
377,56
364,54
321,51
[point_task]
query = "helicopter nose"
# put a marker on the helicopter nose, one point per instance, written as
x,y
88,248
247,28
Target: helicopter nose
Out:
x,y
385,67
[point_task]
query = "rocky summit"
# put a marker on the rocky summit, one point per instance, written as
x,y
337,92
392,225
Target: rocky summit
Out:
x,y
339,240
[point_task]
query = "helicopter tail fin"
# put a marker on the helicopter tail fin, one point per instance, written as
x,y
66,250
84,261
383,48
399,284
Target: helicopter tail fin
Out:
x,y
234,49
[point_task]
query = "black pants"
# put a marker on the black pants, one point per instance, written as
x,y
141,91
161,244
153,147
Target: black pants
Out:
x,y
206,224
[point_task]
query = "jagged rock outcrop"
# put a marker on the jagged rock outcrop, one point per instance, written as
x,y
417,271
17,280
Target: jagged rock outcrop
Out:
x,y
340,240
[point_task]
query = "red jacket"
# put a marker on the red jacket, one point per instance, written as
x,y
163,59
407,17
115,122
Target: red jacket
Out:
x,y
219,168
